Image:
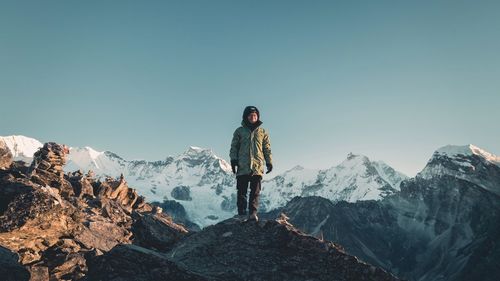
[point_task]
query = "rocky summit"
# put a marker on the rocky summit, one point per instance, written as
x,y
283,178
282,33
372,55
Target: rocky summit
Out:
x,y
71,226
55,223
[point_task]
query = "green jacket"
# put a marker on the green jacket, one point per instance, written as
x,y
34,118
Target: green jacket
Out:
x,y
250,149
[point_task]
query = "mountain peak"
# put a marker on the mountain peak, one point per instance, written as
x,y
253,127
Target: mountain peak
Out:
x,y
453,151
92,153
466,162
351,156
297,168
196,150
354,160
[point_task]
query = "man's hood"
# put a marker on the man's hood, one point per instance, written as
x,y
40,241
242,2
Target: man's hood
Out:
x,y
247,124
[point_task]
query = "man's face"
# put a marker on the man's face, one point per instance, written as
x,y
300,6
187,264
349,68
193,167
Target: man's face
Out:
x,y
252,117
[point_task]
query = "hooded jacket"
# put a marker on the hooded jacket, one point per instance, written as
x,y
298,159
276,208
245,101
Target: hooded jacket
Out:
x,y
251,148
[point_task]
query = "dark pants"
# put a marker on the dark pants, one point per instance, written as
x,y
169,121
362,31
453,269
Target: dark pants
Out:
x,y
242,186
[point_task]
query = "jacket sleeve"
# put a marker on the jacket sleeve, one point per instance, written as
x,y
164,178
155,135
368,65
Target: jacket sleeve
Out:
x,y
266,147
235,146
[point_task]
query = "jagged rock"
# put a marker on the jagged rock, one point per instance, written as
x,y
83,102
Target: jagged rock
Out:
x,y
178,213
131,262
10,269
47,168
157,231
119,191
56,222
66,260
5,156
181,193
102,235
82,185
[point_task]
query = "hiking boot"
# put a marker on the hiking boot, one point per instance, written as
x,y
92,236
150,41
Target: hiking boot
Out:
x,y
240,217
253,217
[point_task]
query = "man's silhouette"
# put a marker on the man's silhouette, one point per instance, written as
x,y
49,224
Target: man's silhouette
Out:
x,y
250,152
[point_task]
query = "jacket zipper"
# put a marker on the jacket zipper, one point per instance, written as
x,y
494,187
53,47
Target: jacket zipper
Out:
x,y
251,155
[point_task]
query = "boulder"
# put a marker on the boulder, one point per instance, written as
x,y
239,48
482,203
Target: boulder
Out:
x,y
10,269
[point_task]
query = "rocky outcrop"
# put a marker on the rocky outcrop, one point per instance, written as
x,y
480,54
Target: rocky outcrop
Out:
x,y
5,156
57,223
268,250
178,213
233,250
47,168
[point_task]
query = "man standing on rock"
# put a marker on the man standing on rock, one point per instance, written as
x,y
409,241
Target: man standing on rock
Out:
x,y
250,151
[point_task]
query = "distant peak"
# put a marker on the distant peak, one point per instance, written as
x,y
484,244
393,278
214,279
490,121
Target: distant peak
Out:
x,y
86,150
197,151
351,156
295,168
467,150
20,139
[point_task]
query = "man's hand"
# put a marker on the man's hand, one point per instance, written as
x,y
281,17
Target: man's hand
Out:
x,y
269,168
234,164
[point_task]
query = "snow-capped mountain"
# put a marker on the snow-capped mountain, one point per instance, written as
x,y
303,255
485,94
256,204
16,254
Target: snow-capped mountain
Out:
x,y
467,162
21,147
356,178
196,178
444,224
204,184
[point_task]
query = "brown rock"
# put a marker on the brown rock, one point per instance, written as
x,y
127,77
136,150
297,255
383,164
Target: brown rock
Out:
x,y
5,156
157,231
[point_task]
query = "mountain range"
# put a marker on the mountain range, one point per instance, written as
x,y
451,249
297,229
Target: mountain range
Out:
x,y
444,224
204,185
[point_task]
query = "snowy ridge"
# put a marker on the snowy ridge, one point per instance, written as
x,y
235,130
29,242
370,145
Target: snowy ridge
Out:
x,y
356,178
453,151
21,147
467,162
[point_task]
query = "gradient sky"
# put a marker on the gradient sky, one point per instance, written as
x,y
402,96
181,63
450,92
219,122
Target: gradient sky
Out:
x,y
393,80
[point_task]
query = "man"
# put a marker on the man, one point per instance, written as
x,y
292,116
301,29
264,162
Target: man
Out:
x,y
250,151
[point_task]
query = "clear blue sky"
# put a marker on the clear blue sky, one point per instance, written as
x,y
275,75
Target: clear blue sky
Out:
x,y
393,80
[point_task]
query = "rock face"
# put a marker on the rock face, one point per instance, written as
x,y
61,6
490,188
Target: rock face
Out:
x,y
56,222
5,156
181,193
444,224
56,226
10,269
